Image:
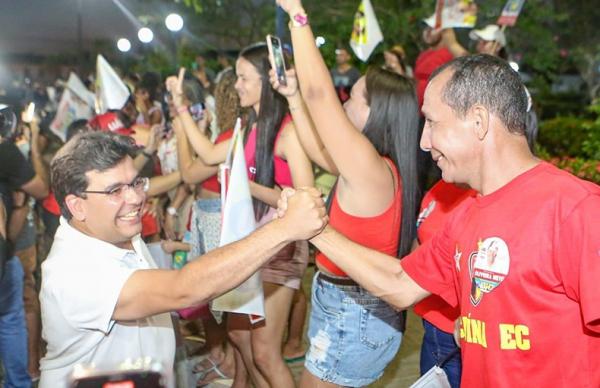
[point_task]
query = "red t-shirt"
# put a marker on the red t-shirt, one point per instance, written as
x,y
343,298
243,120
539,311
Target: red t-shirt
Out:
x,y
381,232
49,203
436,206
212,183
426,63
523,263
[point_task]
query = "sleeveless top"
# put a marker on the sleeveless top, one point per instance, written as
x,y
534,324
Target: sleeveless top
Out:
x,y
283,176
212,184
381,232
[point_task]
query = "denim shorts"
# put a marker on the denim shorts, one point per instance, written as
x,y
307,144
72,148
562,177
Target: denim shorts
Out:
x,y
353,335
205,226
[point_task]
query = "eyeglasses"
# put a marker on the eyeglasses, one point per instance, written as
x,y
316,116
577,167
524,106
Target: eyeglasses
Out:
x,y
117,193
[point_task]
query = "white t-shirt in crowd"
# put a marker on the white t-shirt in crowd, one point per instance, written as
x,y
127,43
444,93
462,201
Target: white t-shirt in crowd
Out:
x,y
81,282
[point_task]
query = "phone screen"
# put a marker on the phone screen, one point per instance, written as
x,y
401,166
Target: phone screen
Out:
x,y
197,111
277,58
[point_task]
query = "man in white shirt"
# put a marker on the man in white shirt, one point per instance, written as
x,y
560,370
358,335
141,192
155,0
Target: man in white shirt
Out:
x,y
103,300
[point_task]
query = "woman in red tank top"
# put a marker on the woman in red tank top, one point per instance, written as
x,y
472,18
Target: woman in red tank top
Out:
x,y
371,142
275,159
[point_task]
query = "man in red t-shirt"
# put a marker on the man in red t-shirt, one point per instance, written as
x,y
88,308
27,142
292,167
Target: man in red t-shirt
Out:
x,y
521,261
438,346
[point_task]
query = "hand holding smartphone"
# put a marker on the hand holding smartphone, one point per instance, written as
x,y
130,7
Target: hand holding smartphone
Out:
x,y
276,58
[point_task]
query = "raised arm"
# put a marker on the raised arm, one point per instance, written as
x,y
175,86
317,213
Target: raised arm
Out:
x,y
162,183
192,170
303,123
207,151
355,157
38,187
150,149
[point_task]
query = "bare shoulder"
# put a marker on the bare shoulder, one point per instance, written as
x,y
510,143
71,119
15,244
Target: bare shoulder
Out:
x,y
288,140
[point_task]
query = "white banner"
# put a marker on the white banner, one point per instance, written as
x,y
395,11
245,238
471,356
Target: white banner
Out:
x,y
238,222
75,103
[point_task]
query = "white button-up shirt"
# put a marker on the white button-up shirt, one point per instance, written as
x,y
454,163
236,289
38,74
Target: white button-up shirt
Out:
x,y
81,282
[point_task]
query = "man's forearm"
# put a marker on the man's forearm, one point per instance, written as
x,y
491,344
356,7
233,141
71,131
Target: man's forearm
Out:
x,y
225,268
379,273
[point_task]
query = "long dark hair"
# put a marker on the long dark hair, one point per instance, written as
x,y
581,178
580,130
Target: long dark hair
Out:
x,y
393,128
273,108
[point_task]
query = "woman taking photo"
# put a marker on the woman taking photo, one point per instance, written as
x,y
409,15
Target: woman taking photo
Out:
x,y
275,160
372,142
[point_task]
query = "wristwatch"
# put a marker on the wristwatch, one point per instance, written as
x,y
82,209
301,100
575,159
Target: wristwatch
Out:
x,y
172,211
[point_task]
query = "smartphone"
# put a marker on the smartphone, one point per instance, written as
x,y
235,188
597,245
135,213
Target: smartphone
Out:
x,y
197,111
28,114
276,57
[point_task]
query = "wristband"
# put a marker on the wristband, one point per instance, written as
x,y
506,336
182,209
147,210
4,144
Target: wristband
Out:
x,y
299,19
172,211
182,109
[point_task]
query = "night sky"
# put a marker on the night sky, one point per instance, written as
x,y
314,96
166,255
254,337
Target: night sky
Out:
x,y
49,26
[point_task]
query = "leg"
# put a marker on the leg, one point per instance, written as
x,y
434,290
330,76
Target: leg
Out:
x,y
241,374
238,329
293,347
225,368
268,336
216,338
13,332
429,348
438,344
28,257
453,365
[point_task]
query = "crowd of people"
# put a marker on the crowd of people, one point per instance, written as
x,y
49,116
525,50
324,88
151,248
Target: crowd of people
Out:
x,y
439,203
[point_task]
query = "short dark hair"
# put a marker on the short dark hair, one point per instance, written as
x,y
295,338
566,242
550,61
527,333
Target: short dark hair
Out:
x,y
487,80
77,126
87,151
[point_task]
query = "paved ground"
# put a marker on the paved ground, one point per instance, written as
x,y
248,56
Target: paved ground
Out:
x,y
404,369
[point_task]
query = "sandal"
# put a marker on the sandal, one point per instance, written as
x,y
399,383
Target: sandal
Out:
x,y
203,365
202,377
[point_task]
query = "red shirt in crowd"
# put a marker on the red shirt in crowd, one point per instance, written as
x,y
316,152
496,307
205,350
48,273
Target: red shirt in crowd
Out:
x,y
523,264
436,206
212,183
426,63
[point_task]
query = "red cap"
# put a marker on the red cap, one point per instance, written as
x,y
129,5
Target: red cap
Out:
x,y
110,122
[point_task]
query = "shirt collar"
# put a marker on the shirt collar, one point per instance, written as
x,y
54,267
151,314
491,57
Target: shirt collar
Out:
x,y
74,236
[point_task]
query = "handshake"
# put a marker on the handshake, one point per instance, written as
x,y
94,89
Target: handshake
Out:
x,y
302,213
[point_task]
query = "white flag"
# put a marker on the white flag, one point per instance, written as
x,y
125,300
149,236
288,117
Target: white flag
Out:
x,y
366,34
75,103
238,222
111,91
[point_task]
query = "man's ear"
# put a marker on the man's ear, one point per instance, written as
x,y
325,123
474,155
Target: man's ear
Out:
x,y
480,117
76,206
